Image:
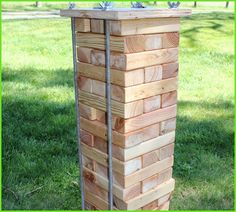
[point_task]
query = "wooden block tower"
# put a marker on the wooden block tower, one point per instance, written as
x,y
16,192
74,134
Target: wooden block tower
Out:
x,y
144,68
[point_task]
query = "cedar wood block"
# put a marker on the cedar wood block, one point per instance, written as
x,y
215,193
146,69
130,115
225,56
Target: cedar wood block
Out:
x,y
123,140
82,25
118,77
129,44
137,26
128,61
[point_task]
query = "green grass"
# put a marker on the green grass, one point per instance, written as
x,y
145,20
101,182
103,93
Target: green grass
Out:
x,y
39,138
47,6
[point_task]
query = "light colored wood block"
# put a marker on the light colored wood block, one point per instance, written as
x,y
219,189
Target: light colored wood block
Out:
x,y
146,119
129,61
122,110
153,144
118,178
82,25
148,171
87,137
153,73
85,84
84,54
127,44
168,99
151,195
101,116
152,103
98,202
88,112
170,70
149,183
118,77
164,176
124,14
88,163
164,207
168,126
149,89
164,199
166,151
89,206
138,26
125,168
151,157
98,88
151,206
97,25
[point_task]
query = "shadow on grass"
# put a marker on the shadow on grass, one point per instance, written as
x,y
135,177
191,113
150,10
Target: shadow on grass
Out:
x,y
213,21
39,77
39,148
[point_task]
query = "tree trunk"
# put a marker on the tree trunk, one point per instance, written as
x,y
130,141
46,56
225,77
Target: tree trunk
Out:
x,y
227,4
195,4
38,4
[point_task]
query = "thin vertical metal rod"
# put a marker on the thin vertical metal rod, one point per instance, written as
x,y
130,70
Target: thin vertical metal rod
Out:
x,y
109,115
77,110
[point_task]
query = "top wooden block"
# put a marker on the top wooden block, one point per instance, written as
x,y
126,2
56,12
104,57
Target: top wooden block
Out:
x,y
125,13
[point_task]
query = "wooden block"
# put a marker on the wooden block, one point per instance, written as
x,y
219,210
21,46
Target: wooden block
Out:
x,y
152,103
86,137
122,110
164,207
148,171
121,193
128,61
84,54
150,206
153,73
87,112
97,190
170,40
164,176
127,140
118,77
144,26
98,88
166,151
149,89
88,163
170,70
127,44
163,199
138,26
146,119
149,183
153,144
125,168
168,125
97,26
85,84
82,25
89,206
98,202
118,178
151,195
101,116
168,99
101,145
151,157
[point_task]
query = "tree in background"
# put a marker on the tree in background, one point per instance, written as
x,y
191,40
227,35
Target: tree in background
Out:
x,y
227,4
38,4
195,4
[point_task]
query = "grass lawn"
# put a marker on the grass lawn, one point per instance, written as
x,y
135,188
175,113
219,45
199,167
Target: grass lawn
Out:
x,y
47,6
39,139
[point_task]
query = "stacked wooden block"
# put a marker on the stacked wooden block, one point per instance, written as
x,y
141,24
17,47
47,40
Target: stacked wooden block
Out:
x,y
144,67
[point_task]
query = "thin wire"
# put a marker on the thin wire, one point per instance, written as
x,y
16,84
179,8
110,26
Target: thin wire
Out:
x,y
77,110
109,114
